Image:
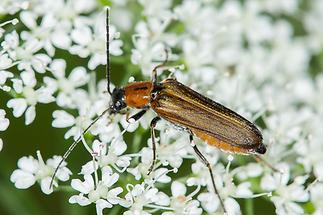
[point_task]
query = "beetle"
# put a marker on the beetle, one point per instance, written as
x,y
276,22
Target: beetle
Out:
x,y
180,105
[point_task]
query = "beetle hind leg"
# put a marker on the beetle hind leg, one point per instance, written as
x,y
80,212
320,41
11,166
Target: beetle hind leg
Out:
x,y
207,164
153,141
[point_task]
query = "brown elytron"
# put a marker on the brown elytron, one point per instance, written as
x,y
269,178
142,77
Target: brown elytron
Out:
x,y
197,114
207,119
186,108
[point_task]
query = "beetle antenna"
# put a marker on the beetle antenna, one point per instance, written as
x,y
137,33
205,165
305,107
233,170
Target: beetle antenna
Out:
x,y
107,67
261,160
73,145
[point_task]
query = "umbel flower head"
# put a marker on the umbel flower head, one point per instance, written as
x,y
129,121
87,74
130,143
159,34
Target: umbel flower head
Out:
x,y
33,170
260,58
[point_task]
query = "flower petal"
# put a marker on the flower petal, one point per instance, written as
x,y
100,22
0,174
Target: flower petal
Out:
x,y
78,76
30,115
88,168
84,187
109,180
243,190
18,105
100,205
232,206
28,164
45,185
1,144
63,174
28,18
58,68
61,39
79,199
178,189
4,122
22,179
28,78
112,195
62,119
45,95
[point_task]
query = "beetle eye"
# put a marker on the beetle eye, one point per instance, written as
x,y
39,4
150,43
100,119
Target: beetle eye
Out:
x,y
117,99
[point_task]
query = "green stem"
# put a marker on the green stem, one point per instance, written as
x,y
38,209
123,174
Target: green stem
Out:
x,y
249,206
65,188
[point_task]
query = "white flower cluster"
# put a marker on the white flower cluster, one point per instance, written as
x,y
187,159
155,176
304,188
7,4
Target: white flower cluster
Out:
x,y
261,58
32,170
4,123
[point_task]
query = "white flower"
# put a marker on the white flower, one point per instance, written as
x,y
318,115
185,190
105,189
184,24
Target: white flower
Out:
x,y
287,193
144,54
159,174
181,203
250,170
30,96
56,21
172,147
43,31
228,190
108,156
149,44
69,93
311,146
62,119
98,192
12,7
5,63
141,196
4,122
91,42
156,9
286,7
32,170
4,75
170,151
316,192
313,19
26,54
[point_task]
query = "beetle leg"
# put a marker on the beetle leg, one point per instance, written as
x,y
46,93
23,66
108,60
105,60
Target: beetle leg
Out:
x,y
153,136
207,164
136,116
154,75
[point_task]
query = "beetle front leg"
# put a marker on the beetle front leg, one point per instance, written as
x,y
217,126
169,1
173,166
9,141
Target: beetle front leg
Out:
x,y
154,73
136,116
153,141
